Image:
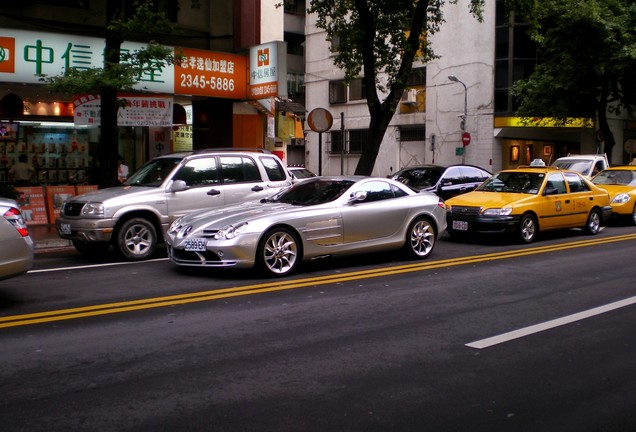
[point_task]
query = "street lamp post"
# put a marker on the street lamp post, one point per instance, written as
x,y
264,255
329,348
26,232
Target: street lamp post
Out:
x,y
465,117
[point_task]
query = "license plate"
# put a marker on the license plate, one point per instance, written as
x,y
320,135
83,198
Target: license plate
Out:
x,y
65,229
460,225
195,244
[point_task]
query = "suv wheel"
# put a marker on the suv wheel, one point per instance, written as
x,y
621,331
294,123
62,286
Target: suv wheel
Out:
x,y
136,239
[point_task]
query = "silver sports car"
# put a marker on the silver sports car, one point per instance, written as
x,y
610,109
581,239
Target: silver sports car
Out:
x,y
318,217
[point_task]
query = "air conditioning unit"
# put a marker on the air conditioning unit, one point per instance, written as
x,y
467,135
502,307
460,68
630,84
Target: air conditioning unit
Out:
x,y
409,97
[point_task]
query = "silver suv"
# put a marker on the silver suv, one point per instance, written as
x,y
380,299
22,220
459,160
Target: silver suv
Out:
x,y
133,217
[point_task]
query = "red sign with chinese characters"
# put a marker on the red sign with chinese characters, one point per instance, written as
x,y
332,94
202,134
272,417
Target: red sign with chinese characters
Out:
x,y
209,73
33,205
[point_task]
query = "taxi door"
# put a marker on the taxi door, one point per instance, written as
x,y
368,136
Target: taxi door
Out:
x,y
581,197
557,205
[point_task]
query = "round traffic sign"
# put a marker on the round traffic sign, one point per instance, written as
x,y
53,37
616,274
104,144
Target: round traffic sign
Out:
x,y
320,120
465,139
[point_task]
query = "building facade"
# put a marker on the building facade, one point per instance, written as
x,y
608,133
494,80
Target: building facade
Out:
x,y
461,112
220,98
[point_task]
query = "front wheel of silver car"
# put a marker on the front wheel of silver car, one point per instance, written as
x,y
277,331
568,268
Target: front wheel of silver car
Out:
x,y
136,239
593,225
420,238
278,252
528,228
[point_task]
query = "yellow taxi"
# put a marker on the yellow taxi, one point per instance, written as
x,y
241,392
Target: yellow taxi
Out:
x,y
620,183
527,200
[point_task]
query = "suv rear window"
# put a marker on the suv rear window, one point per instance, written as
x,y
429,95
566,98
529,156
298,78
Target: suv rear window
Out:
x,y
274,169
238,169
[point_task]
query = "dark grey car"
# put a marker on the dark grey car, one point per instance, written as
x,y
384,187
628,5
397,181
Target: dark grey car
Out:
x,y
445,182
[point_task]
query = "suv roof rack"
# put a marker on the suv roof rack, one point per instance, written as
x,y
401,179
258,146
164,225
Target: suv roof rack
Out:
x,y
237,149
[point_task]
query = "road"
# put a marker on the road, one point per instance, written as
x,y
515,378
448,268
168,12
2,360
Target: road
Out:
x,y
479,337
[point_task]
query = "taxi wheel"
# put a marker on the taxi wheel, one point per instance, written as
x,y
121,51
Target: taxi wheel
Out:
x,y
528,228
279,252
634,215
593,225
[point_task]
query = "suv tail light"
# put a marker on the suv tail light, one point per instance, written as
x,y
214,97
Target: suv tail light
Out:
x,y
14,217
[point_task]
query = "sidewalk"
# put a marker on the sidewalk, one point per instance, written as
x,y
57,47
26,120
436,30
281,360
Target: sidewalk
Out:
x,y
45,237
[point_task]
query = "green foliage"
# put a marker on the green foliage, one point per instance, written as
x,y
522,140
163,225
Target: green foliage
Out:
x,y
587,56
379,41
376,33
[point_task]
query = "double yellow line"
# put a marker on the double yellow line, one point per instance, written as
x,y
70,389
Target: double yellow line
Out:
x,y
280,285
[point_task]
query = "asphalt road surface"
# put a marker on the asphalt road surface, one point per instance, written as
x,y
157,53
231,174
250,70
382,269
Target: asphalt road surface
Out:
x,y
479,337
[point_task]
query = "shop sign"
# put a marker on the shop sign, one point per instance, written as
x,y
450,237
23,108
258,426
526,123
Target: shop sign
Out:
x,y
137,110
55,197
268,70
33,205
208,73
25,55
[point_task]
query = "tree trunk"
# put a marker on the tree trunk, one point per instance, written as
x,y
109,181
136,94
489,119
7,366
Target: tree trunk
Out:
x,y
108,147
603,125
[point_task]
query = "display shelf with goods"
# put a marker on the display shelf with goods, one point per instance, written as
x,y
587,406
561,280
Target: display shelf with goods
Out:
x,y
58,154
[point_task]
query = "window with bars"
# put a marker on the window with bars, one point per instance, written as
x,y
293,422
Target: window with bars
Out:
x,y
337,92
357,90
354,142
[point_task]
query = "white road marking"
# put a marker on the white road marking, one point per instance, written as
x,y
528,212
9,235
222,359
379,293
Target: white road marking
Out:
x,y
526,331
95,266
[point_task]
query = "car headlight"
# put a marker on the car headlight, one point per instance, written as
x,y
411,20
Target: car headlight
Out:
x,y
497,211
175,225
93,209
230,231
621,198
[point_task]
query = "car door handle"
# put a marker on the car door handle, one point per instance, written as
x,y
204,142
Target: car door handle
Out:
x,y
257,188
214,192
567,201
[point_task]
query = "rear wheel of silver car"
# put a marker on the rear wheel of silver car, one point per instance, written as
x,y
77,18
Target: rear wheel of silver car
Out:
x,y
91,248
528,228
278,253
136,239
593,225
421,238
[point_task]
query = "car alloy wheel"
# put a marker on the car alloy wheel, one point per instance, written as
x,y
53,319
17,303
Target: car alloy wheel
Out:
x,y
634,215
278,252
421,238
593,225
528,228
136,239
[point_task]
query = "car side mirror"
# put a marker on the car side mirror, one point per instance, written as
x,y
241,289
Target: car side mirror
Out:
x,y
357,196
550,191
178,186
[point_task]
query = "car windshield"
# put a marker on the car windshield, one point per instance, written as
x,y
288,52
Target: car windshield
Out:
x,y
514,182
302,173
312,192
419,178
574,165
153,173
616,177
